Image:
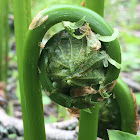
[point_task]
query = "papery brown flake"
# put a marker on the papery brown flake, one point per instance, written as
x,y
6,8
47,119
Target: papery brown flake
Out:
x,y
76,92
41,45
108,88
74,112
38,20
136,125
83,3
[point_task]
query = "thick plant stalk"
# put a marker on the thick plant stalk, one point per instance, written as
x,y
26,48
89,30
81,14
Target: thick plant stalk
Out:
x,y
20,31
88,123
128,108
33,126
88,127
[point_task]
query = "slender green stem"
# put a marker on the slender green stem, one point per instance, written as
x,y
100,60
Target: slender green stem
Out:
x,y
28,12
32,107
6,37
96,5
2,45
88,124
21,26
1,35
20,30
4,41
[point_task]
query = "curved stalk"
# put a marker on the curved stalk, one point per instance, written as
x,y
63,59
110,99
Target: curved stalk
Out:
x,y
88,123
128,107
21,26
41,23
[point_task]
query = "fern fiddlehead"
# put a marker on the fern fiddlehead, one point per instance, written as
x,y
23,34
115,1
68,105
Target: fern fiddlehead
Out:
x,y
39,26
49,17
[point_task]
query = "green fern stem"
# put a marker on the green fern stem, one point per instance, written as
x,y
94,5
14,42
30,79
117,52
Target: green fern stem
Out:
x,y
88,123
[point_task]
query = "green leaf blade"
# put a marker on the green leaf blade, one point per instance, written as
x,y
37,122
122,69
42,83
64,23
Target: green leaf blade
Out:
x,y
108,38
114,63
120,135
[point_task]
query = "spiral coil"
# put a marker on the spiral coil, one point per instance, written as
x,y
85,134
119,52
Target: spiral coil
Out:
x,y
51,16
